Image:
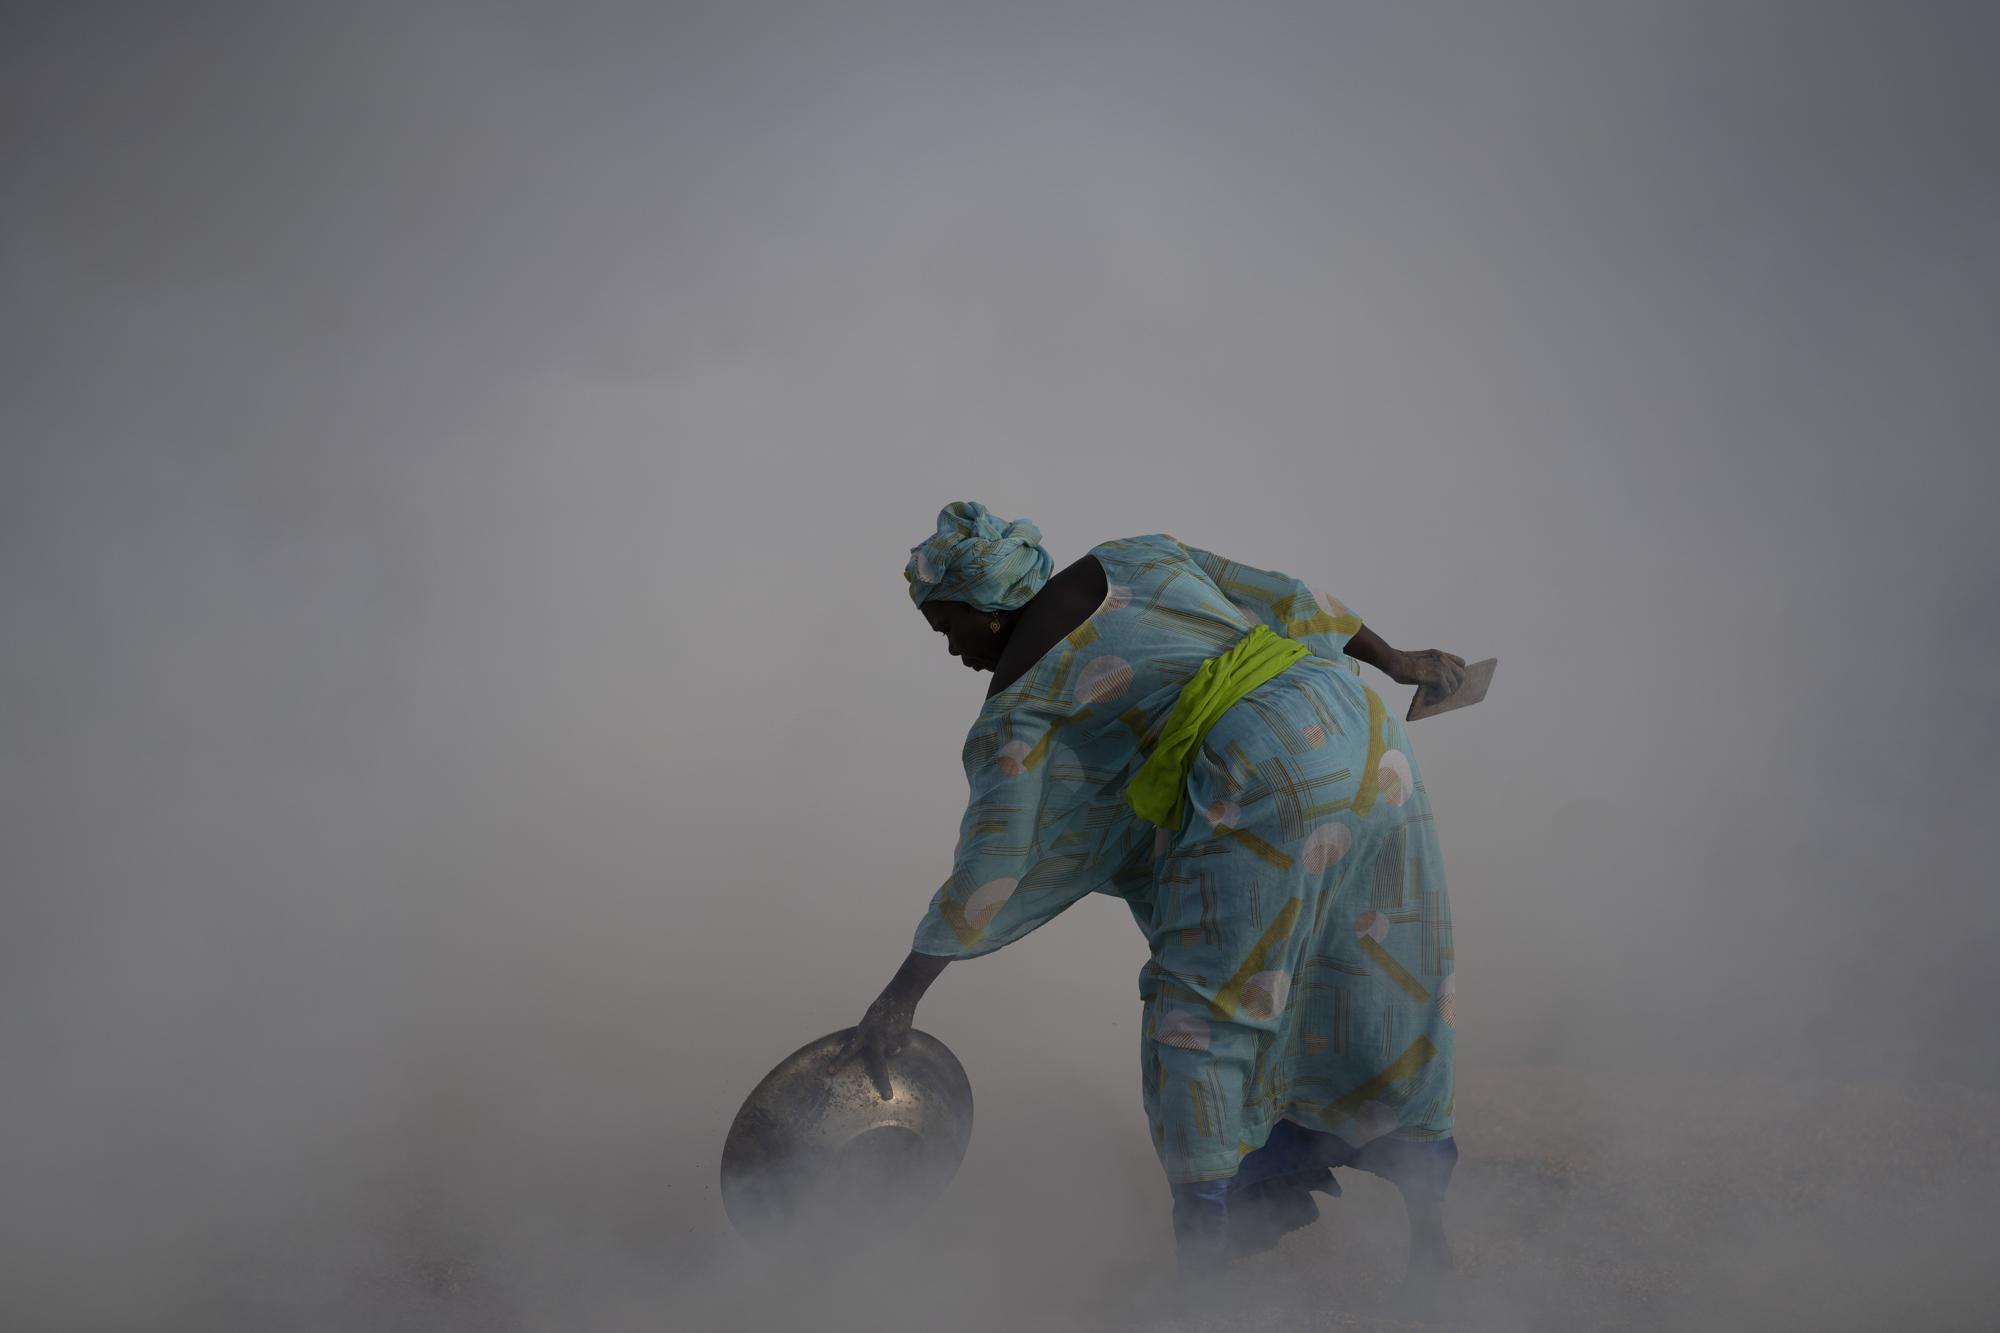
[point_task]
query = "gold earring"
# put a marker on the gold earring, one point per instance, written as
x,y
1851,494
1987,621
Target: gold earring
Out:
x,y
994,624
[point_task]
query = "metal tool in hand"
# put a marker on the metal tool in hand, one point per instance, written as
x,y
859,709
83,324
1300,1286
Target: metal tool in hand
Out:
x,y
1470,690
817,1154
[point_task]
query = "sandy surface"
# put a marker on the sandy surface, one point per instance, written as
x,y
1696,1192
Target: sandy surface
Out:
x,y
1581,1201
1626,1202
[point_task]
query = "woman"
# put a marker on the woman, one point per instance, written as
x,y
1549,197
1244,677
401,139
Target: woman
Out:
x,y
1191,734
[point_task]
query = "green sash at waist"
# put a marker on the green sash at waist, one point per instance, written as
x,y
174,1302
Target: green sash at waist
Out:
x,y
1157,793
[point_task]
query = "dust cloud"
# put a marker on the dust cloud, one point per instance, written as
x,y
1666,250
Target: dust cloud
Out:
x,y
465,722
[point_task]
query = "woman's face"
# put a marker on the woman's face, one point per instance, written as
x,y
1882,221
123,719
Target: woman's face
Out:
x,y
969,632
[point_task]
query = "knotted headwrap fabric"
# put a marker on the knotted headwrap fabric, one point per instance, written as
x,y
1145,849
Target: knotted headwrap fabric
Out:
x,y
979,559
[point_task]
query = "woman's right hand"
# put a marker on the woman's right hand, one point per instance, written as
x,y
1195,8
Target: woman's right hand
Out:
x,y
1436,674
881,1034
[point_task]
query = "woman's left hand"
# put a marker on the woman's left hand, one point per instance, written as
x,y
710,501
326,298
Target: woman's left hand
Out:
x,y
1436,673
882,1033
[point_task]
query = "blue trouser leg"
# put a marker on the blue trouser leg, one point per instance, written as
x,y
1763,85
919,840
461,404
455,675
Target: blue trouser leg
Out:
x,y
1270,1193
1420,1168
1201,1221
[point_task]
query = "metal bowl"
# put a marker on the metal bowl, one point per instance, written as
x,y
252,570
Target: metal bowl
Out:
x,y
816,1151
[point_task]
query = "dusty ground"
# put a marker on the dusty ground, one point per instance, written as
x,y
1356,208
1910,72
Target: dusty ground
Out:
x,y
1626,1202
1582,1201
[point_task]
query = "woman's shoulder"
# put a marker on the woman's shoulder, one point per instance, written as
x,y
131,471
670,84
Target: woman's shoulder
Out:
x,y
1121,560
1152,541
1145,552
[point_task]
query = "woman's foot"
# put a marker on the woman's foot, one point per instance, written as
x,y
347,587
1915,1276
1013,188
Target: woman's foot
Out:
x,y
1429,1297
1429,1251
1427,1284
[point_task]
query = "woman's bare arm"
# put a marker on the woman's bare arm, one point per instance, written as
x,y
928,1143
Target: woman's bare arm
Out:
x,y
1367,646
1441,672
912,979
886,1026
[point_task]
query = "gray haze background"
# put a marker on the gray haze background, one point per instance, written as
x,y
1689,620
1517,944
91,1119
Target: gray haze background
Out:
x,y
464,720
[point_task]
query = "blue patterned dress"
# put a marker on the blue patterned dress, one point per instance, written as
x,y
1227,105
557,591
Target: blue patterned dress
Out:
x,y
1301,953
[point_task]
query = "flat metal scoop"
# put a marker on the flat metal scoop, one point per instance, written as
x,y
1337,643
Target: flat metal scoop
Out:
x,y
817,1157
1470,691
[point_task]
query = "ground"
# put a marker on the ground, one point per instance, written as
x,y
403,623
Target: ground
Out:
x,y
1621,1201
1583,1200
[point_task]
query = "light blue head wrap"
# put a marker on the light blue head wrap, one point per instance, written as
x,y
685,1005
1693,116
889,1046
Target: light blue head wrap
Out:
x,y
986,562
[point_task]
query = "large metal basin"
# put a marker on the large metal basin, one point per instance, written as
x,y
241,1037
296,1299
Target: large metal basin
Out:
x,y
816,1153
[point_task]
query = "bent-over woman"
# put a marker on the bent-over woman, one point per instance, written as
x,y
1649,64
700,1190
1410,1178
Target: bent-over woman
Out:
x,y
1192,735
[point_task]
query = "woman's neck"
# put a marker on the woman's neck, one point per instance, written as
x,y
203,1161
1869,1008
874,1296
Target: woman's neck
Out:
x,y
1068,599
